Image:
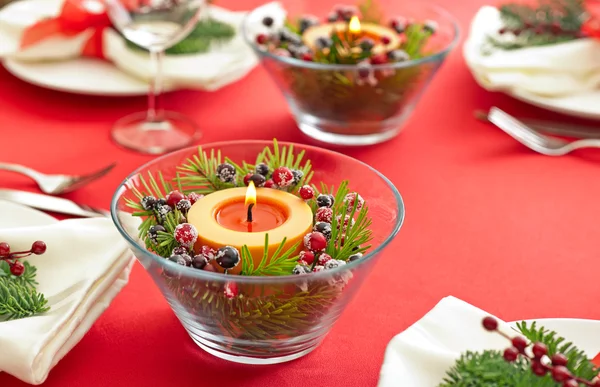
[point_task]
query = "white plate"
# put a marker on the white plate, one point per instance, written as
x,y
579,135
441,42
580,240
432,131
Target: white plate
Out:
x,y
81,76
584,105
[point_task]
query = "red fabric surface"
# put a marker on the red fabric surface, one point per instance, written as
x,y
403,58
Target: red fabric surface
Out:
x,y
487,221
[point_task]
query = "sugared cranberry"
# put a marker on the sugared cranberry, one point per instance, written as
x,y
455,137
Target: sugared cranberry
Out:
x,y
4,248
261,38
324,200
574,383
519,343
258,179
323,259
386,40
208,252
17,268
511,354
306,192
307,256
315,241
539,350
262,169
179,250
199,262
231,290
378,59
538,368
558,359
307,56
490,323
324,214
173,198
194,197
247,179
270,184
561,373
283,176
210,268
185,234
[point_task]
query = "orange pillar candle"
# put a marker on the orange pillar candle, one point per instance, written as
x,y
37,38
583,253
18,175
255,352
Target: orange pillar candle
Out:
x,y
221,220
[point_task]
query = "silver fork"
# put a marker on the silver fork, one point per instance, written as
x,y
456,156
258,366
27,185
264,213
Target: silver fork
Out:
x,y
57,184
533,139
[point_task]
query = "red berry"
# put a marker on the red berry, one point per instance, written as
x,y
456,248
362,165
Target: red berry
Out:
x,y
386,40
247,179
270,184
208,252
283,176
315,241
17,268
574,383
539,350
378,59
561,373
324,214
490,323
4,249
231,290
306,192
350,199
307,256
519,343
174,197
38,247
185,234
511,354
307,57
559,359
261,38
538,368
210,268
194,197
324,258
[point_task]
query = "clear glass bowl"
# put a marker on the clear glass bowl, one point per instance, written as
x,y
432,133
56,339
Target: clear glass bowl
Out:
x,y
330,103
274,319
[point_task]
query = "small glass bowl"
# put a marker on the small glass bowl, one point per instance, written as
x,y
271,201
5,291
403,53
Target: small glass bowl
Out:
x,y
331,103
274,319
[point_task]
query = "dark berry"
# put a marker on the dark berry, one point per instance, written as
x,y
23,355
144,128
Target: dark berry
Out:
x,y
174,197
262,169
301,269
307,256
267,21
38,248
539,350
556,28
364,69
333,263
231,290
323,42
324,200
162,212
228,257
367,44
386,40
511,354
186,234
560,373
348,11
184,205
398,24
306,192
160,202
306,22
324,228
178,259
378,59
4,249
430,26
259,180
148,202
323,259
298,175
270,184
285,35
226,173
194,197
502,31
153,232
559,359
262,38
188,259
355,257
538,368
490,323
519,343
315,241
398,56
333,16
247,179
179,250
324,214
199,262
17,268
283,177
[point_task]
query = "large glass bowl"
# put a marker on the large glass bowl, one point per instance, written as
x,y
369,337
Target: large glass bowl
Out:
x,y
330,102
274,319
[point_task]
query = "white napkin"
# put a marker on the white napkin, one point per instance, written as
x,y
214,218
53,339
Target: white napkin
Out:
x,y
553,70
85,266
223,64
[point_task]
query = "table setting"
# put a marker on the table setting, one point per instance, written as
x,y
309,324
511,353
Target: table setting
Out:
x,y
374,193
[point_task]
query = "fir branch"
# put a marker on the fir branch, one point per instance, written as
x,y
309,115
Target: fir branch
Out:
x,y
285,157
280,263
371,12
199,173
18,299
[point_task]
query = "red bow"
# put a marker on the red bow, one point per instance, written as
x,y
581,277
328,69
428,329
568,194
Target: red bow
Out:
x,y
73,19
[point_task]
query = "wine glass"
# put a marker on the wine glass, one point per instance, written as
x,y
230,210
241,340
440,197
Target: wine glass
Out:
x,y
155,25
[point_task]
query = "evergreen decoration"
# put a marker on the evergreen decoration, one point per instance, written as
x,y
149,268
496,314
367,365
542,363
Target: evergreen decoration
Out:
x,y
18,295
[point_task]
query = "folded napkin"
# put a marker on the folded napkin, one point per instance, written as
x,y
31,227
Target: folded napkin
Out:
x,y
553,70
85,266
223,64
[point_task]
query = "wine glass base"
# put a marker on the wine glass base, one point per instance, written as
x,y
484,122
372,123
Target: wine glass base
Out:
x,y
170,131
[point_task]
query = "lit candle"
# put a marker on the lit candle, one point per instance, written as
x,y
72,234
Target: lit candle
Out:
x,y
222,219
385,38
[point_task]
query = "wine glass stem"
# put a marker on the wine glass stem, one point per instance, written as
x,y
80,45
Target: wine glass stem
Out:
x,y
156,59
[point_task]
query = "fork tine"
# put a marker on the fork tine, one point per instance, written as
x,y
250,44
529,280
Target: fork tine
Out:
x,y
516,128
99,173
85,179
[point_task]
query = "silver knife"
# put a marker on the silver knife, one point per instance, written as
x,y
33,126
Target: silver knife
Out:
x,y
51,203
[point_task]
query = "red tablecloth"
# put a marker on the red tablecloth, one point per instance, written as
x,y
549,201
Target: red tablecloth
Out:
x,y
487,221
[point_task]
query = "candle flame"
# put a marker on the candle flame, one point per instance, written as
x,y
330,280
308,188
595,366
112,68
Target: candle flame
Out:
x,y
354,25
250,194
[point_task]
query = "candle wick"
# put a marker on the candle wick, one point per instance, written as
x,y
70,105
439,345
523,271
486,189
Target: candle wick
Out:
x,y
249,218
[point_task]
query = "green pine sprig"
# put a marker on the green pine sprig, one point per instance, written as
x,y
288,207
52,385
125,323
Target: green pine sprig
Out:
x,y
199,173
489,369
284,156
18,295
280,263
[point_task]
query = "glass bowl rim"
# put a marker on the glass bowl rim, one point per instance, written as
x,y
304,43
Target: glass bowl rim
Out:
x,y
396,65
206,275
